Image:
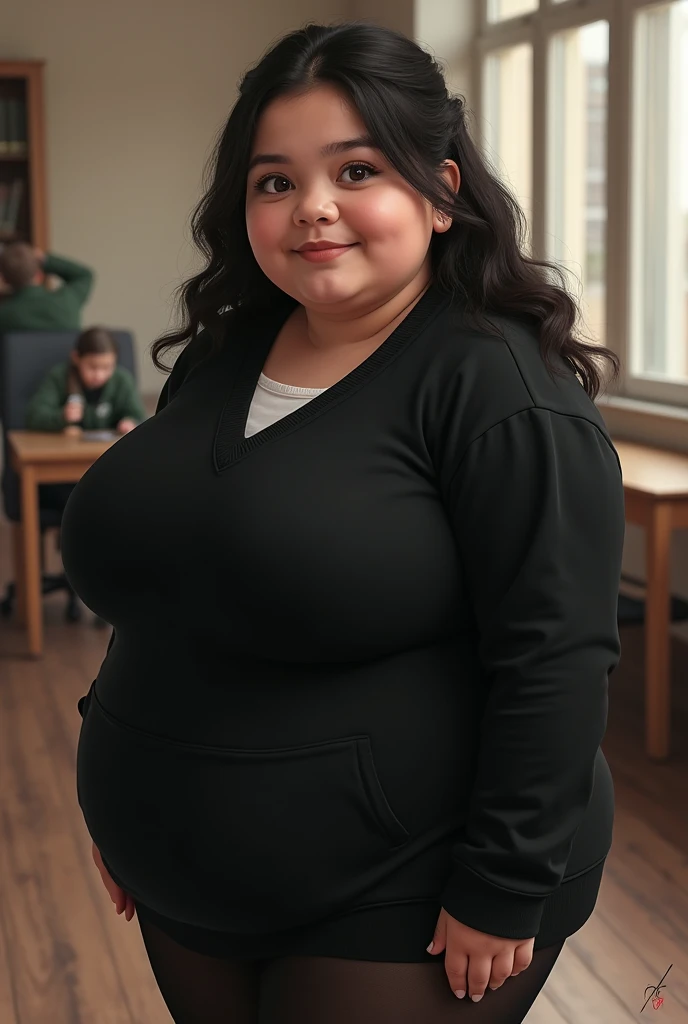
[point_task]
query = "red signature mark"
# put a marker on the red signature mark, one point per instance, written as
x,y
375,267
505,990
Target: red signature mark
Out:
x,y
657,1002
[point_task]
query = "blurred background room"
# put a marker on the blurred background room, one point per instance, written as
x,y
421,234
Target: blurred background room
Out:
x,y
107,117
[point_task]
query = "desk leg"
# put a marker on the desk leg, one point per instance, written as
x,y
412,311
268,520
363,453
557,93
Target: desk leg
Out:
x,y
657,637
32,560
19,574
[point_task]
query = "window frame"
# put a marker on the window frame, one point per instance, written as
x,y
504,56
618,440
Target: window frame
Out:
x,y
537,28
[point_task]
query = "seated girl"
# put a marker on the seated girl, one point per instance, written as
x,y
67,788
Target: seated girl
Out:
x,y
89,392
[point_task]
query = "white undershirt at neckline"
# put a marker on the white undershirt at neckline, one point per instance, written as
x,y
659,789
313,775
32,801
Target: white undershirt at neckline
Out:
x,y
276,388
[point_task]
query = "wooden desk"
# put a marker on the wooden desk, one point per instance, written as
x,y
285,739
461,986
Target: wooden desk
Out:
x,y
656,489
41,459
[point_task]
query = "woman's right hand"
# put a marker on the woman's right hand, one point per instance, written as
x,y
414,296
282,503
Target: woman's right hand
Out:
x,y
123,902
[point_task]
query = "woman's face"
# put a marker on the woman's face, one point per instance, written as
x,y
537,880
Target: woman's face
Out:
x,y
315,178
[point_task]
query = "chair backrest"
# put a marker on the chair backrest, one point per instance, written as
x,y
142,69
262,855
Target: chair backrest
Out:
x,y
25,358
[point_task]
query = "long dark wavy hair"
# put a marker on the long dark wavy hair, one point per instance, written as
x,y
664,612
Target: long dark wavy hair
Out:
x,y
401,96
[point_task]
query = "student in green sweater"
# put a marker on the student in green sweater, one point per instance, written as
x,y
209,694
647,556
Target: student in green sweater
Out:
x,y
31,306
90,392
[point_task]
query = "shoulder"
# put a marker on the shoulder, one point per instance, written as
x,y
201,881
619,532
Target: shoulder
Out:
x,y
202,347
486,377
234,327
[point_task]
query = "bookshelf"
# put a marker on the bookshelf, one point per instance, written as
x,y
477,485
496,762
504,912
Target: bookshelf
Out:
x,y
23,192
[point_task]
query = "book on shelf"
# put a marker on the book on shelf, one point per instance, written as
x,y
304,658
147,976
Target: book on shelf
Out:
x,y
10,205
13,138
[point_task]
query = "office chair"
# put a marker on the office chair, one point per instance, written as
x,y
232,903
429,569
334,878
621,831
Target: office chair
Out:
x,y
25,357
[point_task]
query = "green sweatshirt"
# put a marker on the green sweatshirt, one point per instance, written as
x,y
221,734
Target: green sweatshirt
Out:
x,y
34,308
118,400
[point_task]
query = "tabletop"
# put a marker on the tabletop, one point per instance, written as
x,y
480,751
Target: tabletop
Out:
x,y
35,446
653,471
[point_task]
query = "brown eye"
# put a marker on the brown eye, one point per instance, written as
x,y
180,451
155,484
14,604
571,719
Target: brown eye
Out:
x,y
274,184
358,173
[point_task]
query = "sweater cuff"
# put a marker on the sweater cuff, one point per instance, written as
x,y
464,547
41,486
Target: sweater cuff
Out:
x,y
489,908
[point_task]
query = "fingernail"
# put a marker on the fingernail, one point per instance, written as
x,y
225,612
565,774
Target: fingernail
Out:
x,y
459,993
476,999
429,949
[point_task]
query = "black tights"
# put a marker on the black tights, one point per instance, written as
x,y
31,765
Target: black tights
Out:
x,y
201,989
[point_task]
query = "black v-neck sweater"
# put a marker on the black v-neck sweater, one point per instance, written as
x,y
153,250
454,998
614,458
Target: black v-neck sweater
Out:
x,y
375,634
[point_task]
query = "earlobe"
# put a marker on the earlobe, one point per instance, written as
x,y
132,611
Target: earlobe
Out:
x,y
441,223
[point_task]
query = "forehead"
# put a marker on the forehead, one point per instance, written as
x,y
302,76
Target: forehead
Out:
x,y
306,121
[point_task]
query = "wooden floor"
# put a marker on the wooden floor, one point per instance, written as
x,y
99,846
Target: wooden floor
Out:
x,y
66,958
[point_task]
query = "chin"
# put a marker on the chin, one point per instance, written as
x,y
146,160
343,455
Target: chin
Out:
x,y
328,293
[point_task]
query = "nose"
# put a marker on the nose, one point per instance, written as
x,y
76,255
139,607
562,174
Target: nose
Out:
x,y
316,206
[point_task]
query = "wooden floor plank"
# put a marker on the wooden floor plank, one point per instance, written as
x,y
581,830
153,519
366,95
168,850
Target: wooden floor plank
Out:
x,y
626,966
46,903
579,995
61,723
543,1010
635,837
8,1002
646,934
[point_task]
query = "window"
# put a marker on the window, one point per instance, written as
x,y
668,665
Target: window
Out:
x,y
583,109
508,127
499,10
659,247
577,165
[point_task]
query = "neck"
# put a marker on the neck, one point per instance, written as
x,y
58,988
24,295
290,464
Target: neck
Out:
x,y
331,329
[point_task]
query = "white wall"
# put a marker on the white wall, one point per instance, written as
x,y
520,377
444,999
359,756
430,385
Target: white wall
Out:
x,y
447,29
135,93
397,14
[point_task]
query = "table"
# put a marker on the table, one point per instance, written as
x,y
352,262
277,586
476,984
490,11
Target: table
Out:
x,y
656,492
41,459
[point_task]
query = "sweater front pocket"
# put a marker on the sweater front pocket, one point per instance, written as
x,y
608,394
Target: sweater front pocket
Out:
x,y
234,839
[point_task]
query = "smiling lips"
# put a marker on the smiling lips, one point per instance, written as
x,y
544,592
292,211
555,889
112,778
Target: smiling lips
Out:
x,y
323,251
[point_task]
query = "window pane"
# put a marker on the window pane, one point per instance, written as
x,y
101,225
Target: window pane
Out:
x,y
659,292
577,165
508,90
500,10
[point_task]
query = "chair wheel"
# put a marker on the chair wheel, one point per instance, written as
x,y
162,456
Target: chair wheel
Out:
x,y
73,612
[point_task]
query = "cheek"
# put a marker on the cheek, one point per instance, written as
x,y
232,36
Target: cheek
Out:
x,y
390,216
265,226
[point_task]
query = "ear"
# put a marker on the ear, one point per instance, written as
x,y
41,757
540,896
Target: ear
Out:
x,y
74,357
452,176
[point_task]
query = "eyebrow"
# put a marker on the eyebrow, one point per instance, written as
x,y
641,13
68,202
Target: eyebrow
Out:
x,y
331,149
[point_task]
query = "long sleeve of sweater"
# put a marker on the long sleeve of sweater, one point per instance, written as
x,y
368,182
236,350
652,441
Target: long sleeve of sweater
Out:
x,y
537,508
77,277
